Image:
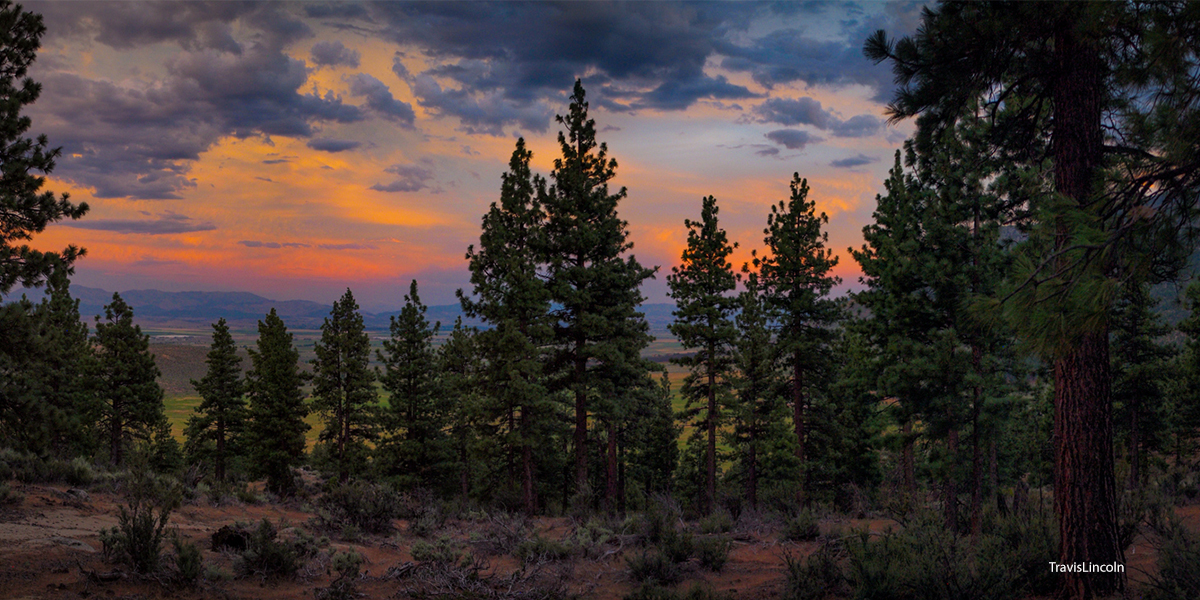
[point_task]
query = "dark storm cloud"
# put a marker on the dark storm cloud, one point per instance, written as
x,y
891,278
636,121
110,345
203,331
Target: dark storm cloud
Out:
x,y
380,99
410,178
329,145
510,63
792,139
167,223
138,140
853,161
807,111
332,54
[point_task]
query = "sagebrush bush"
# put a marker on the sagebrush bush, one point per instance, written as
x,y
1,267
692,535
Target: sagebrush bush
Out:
x,y
9,497
189,564
367,506
676,545
442,551
1178,573
652,567
347,565
655,592
539,549
137,539
718,522
803,526
268,556
816,576
713,552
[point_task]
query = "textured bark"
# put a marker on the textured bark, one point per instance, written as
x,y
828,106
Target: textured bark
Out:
x,y
581,465
950,485
752,468
528,492
220,449
1084,484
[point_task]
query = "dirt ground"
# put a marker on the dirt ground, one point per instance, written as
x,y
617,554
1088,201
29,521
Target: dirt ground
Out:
x,y
50,548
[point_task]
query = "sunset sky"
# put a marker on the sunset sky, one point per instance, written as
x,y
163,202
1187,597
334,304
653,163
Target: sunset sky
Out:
x,y
296,149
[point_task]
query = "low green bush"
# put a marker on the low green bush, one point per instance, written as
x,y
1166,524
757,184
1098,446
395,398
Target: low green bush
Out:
x,y
268,556
189,564
816,576
347,565
442,551
367,506
718,522
713,552
10,497
802,526
652,567
539,549
1178,573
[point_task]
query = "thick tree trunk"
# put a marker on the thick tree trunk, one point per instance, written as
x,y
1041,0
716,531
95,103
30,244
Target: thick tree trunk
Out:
x,y
1084,484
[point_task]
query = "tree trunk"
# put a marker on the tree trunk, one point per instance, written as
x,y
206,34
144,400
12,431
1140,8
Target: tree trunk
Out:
x,y
581,459
798,420
908,464
950,485
610,488
710,455
752,463
527,489
1084,484
115,434
976,447
1135,444
221,449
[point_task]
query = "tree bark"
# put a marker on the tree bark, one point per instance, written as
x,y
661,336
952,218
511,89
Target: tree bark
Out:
x,y
528,491
581,464
611,484
1135,444
221,449
950,485
1084,483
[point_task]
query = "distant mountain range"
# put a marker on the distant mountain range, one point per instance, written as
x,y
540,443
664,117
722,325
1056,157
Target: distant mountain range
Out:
x,y
243,309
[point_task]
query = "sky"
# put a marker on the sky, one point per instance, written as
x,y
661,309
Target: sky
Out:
x,y
294,150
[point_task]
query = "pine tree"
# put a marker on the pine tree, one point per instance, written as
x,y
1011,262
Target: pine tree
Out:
x,y
275,431
702,288
45,403
462,392
1139,365
1184,404
764,450
510,295
126,380
222,409
1105,82
598,330
414,450
343,392
23,210
796,284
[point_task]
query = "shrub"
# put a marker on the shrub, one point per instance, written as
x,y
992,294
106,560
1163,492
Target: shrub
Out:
x,y
347,565
267,556
801,527
9,496
677,546
426,524
367,506
442,551
188,562
654,592
1178,564
539,549
653,568
718,522
137,539
814,577
713,552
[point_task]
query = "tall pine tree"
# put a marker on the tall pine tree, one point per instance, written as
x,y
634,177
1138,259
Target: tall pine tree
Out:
x,y
343,388
275,432
796,281
702,287
126,380
1105,82
222,410
594,284
510,295
414,450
